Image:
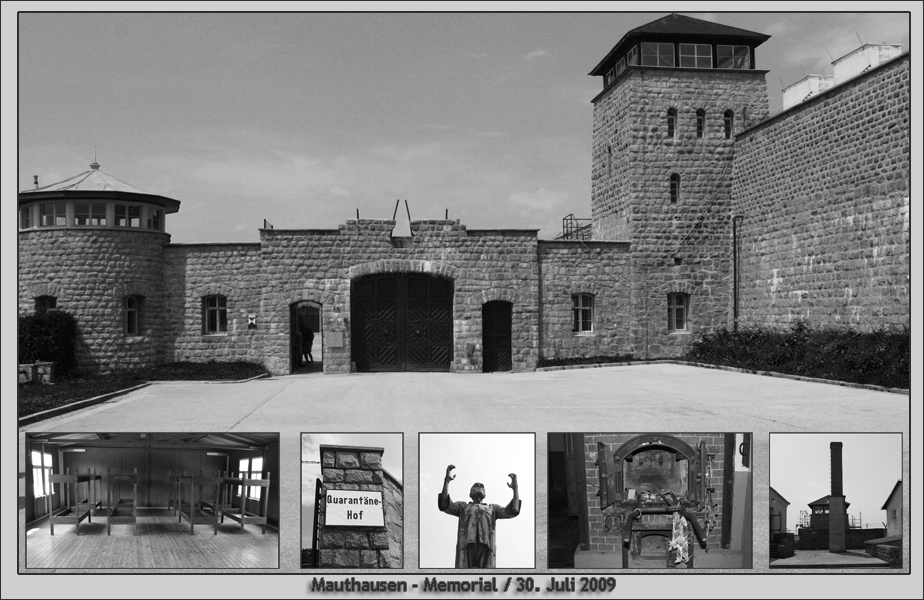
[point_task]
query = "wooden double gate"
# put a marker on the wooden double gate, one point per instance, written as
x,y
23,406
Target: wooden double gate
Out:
x,y
402,322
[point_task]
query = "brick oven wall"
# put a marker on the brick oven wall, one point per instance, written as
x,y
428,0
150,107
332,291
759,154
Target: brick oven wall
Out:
x,y
823,189
631,196
90,271
597,268
198,270
611,541
319,266
356,468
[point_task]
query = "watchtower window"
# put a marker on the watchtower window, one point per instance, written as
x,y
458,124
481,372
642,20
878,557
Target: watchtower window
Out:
x,y
675,188
131,308
696,56
672,122
155,219
729,124
678,307
700,122
656,54
733,57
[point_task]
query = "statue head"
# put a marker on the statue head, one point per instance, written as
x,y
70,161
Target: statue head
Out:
x,y
477,492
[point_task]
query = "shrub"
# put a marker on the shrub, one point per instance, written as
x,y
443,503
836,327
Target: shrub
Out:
x,y
584,360
878,358
49,337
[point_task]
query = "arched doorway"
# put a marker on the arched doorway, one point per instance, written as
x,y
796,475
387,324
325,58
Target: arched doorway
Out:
x,y
305,337
401,322
496,326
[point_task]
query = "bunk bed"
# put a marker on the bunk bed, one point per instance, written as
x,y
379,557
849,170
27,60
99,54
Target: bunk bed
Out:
x,y
194,505
73,509
234,506
123,511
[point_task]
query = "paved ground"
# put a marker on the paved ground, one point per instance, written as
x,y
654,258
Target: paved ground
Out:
x,y
822,559
642,398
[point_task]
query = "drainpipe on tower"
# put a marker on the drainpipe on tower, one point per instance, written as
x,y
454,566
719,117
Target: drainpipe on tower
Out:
x,y
736,223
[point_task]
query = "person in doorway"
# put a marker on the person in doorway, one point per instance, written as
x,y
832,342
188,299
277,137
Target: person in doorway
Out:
x,y
297,344
475,543
308,341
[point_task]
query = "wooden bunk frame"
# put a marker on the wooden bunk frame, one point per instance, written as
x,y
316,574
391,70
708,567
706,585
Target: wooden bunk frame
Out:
x,y
226,507
73,514
122,511
192,507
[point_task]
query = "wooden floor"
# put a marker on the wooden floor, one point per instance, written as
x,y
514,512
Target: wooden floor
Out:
x,y
160,543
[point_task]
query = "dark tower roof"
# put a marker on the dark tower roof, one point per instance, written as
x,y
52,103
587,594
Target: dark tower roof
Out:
x,y
681,28
97,185
825,501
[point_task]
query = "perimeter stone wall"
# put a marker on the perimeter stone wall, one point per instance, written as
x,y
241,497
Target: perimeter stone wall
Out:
x,y
195,271
600,269
824,191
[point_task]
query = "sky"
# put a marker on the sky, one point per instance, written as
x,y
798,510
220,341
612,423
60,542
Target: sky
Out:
x,y
303,119
487,458
800,470
392,461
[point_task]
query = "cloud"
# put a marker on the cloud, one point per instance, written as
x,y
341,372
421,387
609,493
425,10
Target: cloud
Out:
x,y
538,200
535,54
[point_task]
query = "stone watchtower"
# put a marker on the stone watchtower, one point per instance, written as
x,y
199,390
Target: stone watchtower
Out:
x,y
675,93
93,245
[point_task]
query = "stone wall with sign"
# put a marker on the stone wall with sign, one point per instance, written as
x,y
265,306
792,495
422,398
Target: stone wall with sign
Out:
x,y
356,469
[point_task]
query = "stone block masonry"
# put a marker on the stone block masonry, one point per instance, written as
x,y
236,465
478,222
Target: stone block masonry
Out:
x,y
824,192
359,468
90,272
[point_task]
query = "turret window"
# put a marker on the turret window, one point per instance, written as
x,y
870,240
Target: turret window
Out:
x,y
45,304
733,57
700,122
655,54
89,214
131,308
729,124
54,215
155,219
127,216
25,217
697,56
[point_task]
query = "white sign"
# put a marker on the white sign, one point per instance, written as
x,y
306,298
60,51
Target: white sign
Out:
x,y
344,508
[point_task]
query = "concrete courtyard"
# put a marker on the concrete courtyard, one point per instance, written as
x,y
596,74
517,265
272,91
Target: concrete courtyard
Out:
x,y
640,398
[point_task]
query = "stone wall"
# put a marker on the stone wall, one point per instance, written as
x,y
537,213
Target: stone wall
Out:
x,y
611,541
823,188
817,539
90,272
195,271
684,246
360,468
600,269
891,552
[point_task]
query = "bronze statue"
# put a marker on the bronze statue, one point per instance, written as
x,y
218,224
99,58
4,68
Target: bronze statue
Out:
x,y
475,545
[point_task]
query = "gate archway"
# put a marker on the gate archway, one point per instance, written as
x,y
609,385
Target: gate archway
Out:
x,y
401,322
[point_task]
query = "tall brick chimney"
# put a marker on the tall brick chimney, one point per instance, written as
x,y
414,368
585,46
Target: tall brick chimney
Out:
x,y
837,511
